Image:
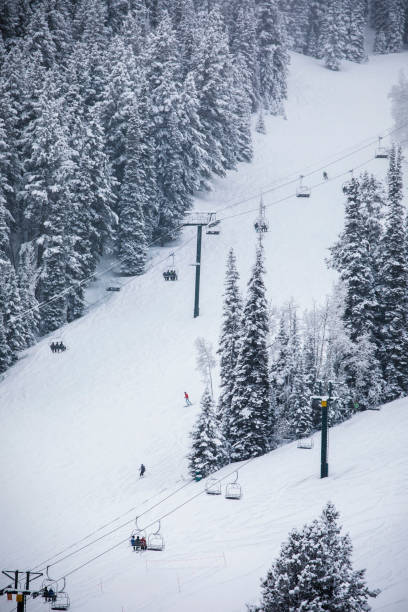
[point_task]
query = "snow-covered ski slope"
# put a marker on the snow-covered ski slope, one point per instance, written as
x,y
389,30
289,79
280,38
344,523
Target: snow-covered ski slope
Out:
x,y
76,426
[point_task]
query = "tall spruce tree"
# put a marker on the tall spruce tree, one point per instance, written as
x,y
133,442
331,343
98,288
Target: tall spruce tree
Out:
x,y
252,421
131,231
207,441
334,38
229,343
393,281
273,56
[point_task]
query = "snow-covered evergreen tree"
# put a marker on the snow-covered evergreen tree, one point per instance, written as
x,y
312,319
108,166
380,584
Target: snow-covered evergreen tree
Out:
x,y
334,36
393,281
355,23
273,57
251,418
5,352
351,257
131,230
315,12
229,343
260,123
399,107
314,571
244,43
389,20
300,418
207,442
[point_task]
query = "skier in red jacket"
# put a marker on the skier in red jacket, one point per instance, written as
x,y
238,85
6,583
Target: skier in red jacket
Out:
x,y
188,403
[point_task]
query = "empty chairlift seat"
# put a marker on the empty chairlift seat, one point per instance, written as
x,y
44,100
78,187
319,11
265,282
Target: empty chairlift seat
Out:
x,y
303,191
381,152
213,487
213,228
306,443
155,541
61,603
233,489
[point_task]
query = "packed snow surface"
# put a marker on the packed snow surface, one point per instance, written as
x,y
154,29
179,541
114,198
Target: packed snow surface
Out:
x,y
77,425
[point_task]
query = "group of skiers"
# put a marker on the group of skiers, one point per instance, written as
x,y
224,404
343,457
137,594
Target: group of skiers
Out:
x,y
170,275
49,594
138,543
58,347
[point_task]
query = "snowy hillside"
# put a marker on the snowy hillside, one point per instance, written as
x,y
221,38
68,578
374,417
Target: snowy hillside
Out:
x,y
77,425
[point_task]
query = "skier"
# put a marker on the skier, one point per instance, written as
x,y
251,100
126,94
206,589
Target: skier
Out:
x,y
325,176
143,545
45,593
142,471
51,595
133,542
52,347
188,403
137,543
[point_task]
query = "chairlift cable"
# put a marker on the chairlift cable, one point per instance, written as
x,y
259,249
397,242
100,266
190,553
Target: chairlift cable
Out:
x,y
292,195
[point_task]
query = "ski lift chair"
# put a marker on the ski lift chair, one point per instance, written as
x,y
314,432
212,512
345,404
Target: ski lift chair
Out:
x,y
62,347
261,225
155,540
233,489
137,532
212,228
112,288
306,443
381,152
61,602
170,272
213,487
303,191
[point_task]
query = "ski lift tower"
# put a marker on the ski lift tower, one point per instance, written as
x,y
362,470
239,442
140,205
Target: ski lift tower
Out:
x,y
198,220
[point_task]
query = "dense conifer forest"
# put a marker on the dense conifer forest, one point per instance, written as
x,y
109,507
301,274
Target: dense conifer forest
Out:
x,y
114,113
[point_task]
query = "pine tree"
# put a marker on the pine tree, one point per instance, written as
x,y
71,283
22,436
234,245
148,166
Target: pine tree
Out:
x,y
355,21
119,97
280,377
334,35
300,418
260,123
273,57
5,189
26,273
314,43
229,342
389,20
212,69
399,106
393,281
351,257
195,158
204,458
251,424
314,571
241,105
131,231
244,43
5,352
